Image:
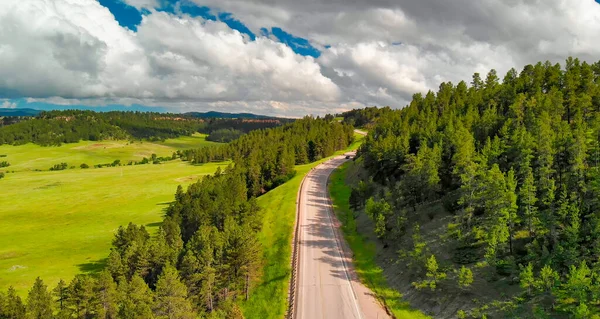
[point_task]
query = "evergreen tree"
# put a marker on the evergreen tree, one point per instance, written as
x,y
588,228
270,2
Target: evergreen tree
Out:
x,y
39,301
14,307
136,299
106,292
60,293
171,296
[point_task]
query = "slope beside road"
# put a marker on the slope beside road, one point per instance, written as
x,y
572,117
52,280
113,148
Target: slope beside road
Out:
x,y
326,286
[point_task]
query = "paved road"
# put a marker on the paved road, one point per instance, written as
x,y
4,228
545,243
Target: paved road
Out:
x,y
327,285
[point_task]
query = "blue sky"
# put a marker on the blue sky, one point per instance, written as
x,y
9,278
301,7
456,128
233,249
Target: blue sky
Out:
x,y
130,17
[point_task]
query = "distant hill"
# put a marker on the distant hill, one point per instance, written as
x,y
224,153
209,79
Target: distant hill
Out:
x,y
205,115
222,115
18,112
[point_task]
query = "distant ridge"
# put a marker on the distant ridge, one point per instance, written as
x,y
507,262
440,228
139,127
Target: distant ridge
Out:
x,y
205,115
18,112
222,115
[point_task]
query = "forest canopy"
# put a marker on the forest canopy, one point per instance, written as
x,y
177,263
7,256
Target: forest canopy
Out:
x,y
517,163
71,126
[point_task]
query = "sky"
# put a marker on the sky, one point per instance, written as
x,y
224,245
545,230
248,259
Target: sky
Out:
x,y
274,57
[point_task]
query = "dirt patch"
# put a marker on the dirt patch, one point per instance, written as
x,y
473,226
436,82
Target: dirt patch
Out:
x,y
96,146
11,254
16,267
187,179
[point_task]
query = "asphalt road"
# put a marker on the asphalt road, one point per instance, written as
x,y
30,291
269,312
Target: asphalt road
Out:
x,y
327,286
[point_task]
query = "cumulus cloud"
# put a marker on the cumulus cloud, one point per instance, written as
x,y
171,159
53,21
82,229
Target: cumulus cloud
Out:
x,y
8,105
439,40
374,52
143,4
76,50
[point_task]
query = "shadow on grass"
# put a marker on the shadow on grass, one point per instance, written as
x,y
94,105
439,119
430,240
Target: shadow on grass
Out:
x,y
157,224
164,204
268,281
93,267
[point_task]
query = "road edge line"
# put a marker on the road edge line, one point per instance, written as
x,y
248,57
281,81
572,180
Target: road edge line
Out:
x,y
291,311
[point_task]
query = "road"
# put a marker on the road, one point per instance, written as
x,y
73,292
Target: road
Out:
x,y
327,287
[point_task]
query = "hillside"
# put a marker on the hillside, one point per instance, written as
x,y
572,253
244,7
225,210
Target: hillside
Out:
x,y
71,126
18,112
483,198
224,115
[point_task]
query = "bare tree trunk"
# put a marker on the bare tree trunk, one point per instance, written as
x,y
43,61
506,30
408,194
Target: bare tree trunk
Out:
x,y
247,286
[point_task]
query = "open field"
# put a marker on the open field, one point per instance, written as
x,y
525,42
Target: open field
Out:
x,y
57,224
370,274
269,299
31,156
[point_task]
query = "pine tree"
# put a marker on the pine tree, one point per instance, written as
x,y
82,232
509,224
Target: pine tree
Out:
x,y
106,292
528,200
81,298
39,301
60,293
434,275
547,279
14,307
171,296
527,278
136,299
465,277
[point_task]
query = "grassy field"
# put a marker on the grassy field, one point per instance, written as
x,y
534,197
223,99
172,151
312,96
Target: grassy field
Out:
x,y
57,224
370,274
269,299
31,156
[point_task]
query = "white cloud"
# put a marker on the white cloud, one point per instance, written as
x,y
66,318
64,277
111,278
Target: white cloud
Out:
x,y
139,4
8,105
76,50
73,51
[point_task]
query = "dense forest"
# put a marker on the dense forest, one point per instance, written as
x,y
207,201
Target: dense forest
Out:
x,y
205,255
268,156
365,118
224,135
516,165
71,126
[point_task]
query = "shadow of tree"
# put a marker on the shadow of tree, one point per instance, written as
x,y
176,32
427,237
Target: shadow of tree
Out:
x,y
93,267
157,224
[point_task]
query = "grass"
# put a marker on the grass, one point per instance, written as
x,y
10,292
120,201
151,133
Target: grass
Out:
x,y
269,298
57,224
370,274
32,157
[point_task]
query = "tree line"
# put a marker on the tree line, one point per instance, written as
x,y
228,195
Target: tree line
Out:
x,y
224,135
267,157
517,162
365,118
205,256
71,126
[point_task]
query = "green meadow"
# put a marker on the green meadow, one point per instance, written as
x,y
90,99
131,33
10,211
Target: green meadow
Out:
x,y
55,224
32,157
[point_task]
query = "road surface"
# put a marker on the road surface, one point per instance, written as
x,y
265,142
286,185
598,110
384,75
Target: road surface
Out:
x,y
327,287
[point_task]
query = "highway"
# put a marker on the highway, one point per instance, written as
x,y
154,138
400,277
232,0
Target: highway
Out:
x,y
327,287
